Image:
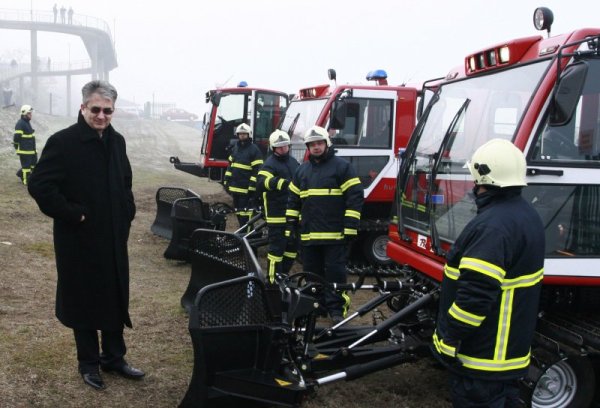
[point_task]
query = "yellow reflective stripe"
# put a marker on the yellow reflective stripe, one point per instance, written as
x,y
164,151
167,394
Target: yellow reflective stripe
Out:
x,y
294,189
321,192
241,166
265,173
350,231
410,204
238,190
352,182
19,151
347,302
228,173
230,158
287,233
256,162
280,183
451,273
291,255
506,305
352,213
485,364
252,178
464,316
273,265
18,132
442,347
486,268
524,281
276,220
27,135
292,213
251,188
321,235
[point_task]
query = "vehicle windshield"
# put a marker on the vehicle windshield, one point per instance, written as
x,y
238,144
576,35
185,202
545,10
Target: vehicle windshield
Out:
x,y
462,116
299,116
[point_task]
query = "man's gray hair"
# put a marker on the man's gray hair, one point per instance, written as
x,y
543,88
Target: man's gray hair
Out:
x,y
102,88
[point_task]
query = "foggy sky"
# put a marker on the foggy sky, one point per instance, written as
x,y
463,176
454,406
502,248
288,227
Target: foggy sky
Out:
x,y
177,50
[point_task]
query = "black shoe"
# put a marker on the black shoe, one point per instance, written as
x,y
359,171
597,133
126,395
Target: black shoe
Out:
x,y
124,370
93,380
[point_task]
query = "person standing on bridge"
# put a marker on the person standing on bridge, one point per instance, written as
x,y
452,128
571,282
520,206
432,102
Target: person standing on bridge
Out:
x,y
83,181
63,11
70,15
24,143
491,286
55,11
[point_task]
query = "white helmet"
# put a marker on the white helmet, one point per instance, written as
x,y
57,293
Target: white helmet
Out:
x,y
25,109
279,139
316,133
498,163
243,128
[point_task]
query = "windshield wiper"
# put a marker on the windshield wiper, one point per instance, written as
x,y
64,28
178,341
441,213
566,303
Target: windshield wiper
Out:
x,y
437,159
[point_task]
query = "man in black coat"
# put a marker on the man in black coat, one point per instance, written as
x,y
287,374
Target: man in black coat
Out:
x,y
83,181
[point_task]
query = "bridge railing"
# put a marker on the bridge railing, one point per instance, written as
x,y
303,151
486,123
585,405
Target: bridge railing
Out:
x,y
38,16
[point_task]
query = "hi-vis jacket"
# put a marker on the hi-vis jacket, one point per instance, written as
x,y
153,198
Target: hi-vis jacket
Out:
x,y
490,290
273,180
24,137
244,162
326,197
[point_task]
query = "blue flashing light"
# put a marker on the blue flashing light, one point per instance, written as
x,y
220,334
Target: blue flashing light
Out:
x,y
242,84
376,75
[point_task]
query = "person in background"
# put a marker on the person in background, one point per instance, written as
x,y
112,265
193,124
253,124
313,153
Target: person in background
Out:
x,y
70,15
324,206
491,285
63,11
55,11
273,180
24,143
240,177
83,181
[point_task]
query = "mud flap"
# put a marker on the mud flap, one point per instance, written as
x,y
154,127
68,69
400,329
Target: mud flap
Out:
x,y
239,349
217,256
165,197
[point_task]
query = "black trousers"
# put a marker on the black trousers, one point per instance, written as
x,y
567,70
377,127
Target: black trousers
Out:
x,y
329,261
88,349
241,204
282,252
28,162
469,392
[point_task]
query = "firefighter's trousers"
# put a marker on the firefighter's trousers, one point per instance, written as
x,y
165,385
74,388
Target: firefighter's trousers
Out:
x,y
282,252
28,162
329,261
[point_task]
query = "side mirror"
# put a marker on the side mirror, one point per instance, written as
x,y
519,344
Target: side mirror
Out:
x,y
215,99
338,115
567,93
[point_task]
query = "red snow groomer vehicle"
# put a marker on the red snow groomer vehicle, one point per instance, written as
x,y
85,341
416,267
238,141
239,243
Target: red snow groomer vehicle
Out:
x,y
261,109
368,126
543,94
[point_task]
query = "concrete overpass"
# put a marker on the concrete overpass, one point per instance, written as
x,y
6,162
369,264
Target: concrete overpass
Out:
x,y
94,32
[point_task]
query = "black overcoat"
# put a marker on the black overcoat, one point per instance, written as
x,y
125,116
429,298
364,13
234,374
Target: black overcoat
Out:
x,y
80,173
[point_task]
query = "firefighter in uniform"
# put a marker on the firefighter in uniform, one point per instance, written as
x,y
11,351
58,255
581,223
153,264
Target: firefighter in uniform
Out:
x,y
491,285
240,177
324,205
273,180
24,143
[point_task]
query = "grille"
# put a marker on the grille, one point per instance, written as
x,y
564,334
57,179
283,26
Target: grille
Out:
x,y
237,302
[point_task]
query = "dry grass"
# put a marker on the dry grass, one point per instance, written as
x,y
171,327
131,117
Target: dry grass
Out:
x,y
38,363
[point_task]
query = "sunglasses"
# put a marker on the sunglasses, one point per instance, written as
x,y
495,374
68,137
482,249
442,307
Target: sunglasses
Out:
x,y
96,110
